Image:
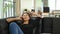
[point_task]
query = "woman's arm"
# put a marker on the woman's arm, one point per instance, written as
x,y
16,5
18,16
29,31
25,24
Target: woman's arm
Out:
x,y
38,15
13,19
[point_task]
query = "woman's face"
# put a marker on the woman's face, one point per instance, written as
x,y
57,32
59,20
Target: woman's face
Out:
x,y
25,17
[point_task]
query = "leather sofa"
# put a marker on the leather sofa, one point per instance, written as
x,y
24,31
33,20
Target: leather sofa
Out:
x,y
47,25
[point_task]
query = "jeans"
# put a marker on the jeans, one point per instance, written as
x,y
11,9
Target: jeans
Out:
x,y
15,29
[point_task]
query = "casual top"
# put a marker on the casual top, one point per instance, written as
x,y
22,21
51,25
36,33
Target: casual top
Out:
x,y
27,28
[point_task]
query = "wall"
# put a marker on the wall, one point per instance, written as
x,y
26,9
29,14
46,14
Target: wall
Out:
x,y
27,4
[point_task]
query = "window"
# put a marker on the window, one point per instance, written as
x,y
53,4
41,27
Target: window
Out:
x,y
1,7
39,5
7,9
54,5
51,4
57,4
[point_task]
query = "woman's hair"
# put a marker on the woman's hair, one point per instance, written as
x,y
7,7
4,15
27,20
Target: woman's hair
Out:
x,y
26,13
25,9
33,10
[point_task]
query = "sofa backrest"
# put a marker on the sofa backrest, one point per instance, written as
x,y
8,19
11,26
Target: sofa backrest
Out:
x,y
3,27
47,25
56,26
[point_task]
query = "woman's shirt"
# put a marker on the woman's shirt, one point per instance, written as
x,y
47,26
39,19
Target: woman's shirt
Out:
x,y
27,28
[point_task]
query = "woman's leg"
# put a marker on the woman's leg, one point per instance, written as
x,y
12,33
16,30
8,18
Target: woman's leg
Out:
x,y
14,28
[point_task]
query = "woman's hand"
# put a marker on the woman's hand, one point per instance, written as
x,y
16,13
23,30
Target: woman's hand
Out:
x,y
19,18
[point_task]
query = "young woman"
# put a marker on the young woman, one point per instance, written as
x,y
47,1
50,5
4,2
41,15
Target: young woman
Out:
x,y
26,27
